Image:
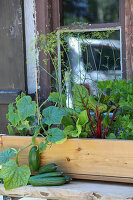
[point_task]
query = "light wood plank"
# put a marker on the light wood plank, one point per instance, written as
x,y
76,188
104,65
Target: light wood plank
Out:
x,y
109,160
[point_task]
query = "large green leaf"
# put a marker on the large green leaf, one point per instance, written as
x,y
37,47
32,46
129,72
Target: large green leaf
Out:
x,y
24,125
56,98
13,118
68,130
83,118
78,127
26,107
71,112
53,115
80,97
12,115
93,104
55,134
6,155
42,147
111,136
66,121
14,176
83,134
106,119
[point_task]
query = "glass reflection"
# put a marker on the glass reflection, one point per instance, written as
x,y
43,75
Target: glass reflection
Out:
x,y
90,11
92,57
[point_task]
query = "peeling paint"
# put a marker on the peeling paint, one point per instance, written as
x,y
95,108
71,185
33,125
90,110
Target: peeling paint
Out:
x,y
30,35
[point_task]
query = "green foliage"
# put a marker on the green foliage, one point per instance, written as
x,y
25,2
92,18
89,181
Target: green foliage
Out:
x,y
111,136
92,104
121,92
66,121
55,98
26,107
55,134
6,155
42,146
14,176
83,118
53,115
80,97
22,115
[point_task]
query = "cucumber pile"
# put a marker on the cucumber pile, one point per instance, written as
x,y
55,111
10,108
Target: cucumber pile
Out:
x,y
48,176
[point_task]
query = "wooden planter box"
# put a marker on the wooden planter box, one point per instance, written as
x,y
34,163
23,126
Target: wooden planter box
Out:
x,y
94,159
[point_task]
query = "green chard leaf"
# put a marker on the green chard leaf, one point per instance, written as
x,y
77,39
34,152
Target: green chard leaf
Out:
x,y
14,176
55,134
83,118
80,97
75,133
68,130
71,112
54,115
111,136
26,107
93,103
78,127
83,134
6,155
66,121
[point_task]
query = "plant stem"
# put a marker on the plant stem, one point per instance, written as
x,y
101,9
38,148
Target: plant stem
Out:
x,y
88,113
98,125
20,151
112,120
43,103
37,97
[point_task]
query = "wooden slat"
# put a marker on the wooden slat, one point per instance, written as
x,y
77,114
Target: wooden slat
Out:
x,y
76,190
8,96
110,160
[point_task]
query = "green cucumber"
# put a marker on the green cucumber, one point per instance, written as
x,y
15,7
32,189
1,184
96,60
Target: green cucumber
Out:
x,y
50,181
34,158
50,174
47,168
68,178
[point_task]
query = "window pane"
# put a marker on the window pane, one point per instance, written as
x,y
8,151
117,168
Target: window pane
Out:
x,y
90,11
92,57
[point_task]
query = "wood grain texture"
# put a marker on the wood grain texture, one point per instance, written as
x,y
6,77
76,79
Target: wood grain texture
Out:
x,y
129,36
110,160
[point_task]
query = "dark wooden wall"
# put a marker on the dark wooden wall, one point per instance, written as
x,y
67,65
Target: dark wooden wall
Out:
x,y
129,37
12,68
48,19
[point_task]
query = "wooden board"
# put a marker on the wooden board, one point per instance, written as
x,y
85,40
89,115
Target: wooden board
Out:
x,y
109,160
76,190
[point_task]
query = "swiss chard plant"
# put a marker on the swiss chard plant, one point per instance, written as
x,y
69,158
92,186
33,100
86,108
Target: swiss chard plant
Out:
x,y
122,95
94,116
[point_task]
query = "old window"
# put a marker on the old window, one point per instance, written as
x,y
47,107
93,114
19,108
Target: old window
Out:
x,y
100,15
91,57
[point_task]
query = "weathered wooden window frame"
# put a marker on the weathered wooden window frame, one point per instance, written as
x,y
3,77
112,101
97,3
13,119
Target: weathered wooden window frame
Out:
x,y
108,26
48,18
